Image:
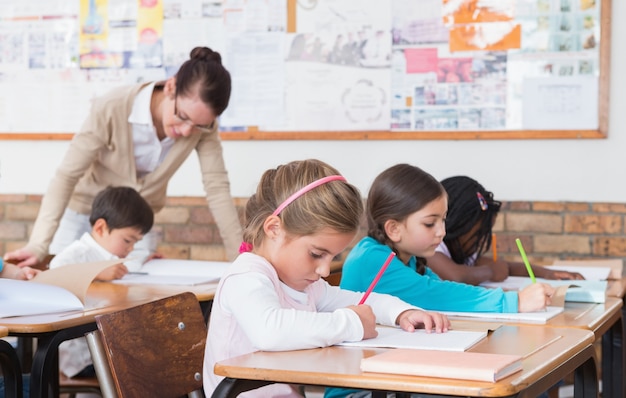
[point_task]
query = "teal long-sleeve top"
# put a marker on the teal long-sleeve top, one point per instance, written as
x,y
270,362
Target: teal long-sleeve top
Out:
x,y
427,291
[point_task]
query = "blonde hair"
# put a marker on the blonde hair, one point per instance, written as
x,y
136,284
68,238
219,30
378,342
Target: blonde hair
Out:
x,y
336,204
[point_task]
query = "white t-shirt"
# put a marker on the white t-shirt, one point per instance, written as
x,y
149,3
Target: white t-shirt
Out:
x,y
443,249
74,354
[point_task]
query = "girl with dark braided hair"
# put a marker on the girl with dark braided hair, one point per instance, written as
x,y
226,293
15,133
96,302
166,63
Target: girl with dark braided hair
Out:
x,y
472,212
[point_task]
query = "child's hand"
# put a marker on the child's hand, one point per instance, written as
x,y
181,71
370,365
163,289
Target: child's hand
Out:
x,y
410,319
550,274
12,271
535,297
499,271
116,271
28,273
153,256
368,319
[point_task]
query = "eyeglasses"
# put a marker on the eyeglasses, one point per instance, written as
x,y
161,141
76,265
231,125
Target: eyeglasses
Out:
x,y
205,128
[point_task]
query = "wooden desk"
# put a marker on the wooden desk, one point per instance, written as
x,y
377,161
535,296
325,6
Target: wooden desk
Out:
x,y
52,329
613,353
549,354
607,323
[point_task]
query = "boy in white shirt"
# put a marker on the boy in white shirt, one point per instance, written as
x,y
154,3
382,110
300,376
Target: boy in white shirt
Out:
x,y
119,218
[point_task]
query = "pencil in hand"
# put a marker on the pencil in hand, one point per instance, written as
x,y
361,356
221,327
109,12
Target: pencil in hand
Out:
x,y
375,281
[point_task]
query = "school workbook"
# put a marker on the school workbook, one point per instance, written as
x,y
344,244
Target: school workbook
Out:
x,y
55,290
453,365
393,337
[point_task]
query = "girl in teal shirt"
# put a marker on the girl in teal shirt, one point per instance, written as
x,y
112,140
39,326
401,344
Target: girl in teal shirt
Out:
x,y
406,211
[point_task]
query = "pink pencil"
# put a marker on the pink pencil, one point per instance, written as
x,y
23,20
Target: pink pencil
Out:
x,y
375,281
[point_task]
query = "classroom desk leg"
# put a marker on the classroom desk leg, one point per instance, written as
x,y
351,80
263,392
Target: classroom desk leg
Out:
x,y
613,362
25,352
44,378
206,306
230,388
586,380
11,370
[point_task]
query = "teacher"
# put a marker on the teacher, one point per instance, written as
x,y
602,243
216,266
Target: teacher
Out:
x,y
138,136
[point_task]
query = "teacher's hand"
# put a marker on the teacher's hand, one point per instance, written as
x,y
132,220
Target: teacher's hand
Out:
x,y
21,258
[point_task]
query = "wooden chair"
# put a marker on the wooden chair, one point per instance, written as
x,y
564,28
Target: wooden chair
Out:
x,y
153,350
75,385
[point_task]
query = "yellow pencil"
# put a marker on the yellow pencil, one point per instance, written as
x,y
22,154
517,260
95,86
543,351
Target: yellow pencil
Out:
x,y
494,247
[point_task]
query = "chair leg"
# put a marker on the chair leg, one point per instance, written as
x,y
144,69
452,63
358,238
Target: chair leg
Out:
x,y
11,369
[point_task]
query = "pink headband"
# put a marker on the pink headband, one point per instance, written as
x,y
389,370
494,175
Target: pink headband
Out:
x,y
247,247
306,189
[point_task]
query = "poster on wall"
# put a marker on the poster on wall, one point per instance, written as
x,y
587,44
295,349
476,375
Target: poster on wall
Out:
x,y
322,66
474,65
120,34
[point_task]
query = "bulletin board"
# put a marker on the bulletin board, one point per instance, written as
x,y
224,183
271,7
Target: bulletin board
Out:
x,y
321,69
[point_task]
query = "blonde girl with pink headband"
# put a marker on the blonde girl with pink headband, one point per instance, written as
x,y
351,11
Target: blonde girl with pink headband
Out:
x,y
273,297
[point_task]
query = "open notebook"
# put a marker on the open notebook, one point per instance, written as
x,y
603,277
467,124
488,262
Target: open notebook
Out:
x,y
55,290
391,337
585,291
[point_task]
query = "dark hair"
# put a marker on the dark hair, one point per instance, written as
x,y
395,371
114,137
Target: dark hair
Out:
x,y
122,207
469,204
336,204
395,194
204,69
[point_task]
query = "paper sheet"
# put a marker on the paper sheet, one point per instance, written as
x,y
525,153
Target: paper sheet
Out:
x,y
522,317
75,278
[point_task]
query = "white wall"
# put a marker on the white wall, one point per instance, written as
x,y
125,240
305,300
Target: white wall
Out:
x,y
551,170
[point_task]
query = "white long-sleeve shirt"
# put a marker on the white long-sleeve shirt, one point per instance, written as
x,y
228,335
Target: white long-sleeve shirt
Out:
x,y
253,310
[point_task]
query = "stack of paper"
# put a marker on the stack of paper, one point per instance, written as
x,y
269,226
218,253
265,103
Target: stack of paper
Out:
x,y
589,273
520,317
615,266
453,365
390,337
176,272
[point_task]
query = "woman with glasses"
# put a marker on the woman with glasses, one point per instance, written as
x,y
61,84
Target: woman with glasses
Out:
x,y
138,136
472,212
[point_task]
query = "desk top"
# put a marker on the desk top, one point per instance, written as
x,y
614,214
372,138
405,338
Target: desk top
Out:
x,y
546,352
616,287
102,298
597,317
4,331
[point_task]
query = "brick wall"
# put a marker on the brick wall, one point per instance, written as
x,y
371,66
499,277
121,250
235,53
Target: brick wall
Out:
x,y
548,230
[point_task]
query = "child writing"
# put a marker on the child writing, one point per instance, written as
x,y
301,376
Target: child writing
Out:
x,y
119,218
273,296
406,212
472,212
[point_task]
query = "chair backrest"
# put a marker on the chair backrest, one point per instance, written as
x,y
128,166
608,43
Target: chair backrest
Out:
x,y
153,350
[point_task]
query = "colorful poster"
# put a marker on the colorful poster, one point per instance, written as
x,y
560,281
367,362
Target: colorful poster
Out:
x,y
121,34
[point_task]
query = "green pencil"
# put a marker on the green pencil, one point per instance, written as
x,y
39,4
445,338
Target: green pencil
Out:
x,y
526,263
